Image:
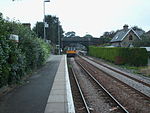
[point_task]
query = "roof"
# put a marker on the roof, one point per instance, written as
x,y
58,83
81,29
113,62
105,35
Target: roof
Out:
x,y
139,32
121,34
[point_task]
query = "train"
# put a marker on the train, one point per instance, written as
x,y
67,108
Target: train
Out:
x,y
71,52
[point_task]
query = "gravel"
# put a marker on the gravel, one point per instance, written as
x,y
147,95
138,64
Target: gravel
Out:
x,y
96,98
127,97
134,84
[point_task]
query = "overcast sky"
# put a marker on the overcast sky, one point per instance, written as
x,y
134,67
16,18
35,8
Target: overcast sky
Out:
x,y
82,16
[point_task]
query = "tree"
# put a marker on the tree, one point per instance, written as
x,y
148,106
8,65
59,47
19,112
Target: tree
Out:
x,y
88,36
70,34
107,34
137,28
53,31
39,29
104,40
145,42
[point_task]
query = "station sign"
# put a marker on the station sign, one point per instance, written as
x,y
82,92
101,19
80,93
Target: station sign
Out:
x,y
14,38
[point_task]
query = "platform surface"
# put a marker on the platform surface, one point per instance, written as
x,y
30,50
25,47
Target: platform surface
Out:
x,y
60,98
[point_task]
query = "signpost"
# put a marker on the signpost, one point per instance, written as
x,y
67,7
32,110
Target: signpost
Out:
x,y
14,38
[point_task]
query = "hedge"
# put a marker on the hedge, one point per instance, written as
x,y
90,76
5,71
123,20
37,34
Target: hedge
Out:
x,y
18,59
119,55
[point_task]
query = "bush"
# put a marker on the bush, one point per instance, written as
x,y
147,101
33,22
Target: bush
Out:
x,y
16,59
36,52
4,66
17,63
130,56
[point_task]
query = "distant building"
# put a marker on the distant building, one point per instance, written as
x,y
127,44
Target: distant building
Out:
x,y
27,25
125,37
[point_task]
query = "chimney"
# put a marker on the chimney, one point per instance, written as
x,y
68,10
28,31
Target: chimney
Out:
x,y
125,27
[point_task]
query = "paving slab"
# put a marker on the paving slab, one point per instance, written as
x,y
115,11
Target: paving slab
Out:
x,y
60,98
32,95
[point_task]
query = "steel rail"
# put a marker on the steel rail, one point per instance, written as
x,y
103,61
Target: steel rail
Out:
x,y
84,101
120,72
117,102
142,94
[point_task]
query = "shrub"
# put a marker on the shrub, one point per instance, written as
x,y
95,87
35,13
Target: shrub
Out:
x,y
4,66
131,56
17,63
36,52
16,59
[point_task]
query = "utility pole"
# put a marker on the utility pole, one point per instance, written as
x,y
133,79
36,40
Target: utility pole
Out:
x,y
44,18
58,36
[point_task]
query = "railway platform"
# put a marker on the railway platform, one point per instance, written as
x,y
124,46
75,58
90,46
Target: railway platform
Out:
x,y
60,98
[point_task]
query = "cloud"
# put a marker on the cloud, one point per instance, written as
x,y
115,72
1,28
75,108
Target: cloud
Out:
x,y
81,16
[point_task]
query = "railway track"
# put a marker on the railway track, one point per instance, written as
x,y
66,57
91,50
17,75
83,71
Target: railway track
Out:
x,y
143,84
102,93
81,104
79,100
129,94
120,72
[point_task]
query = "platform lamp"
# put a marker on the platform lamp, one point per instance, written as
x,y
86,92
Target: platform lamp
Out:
x,y
44,18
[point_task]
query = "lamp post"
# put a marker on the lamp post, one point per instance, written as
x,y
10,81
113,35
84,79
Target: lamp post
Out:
x,y
58,36
44,17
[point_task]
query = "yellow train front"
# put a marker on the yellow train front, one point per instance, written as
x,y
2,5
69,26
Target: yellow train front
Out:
x,y
71,52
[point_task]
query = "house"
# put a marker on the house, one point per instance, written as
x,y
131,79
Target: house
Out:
x,y
125,37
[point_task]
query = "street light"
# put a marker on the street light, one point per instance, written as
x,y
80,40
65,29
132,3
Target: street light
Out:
x,y
44,18
58,32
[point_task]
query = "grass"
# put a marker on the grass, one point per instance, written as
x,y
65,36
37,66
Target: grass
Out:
x,y
143,70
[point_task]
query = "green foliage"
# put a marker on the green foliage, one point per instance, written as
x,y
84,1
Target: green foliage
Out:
x,y
88,36
52,31
145,42
36,52
104,41
38,29
70,34
4,66
130,56
17,63
149,54
16,59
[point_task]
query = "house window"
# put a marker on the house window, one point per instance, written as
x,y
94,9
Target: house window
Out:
x,y
130,37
